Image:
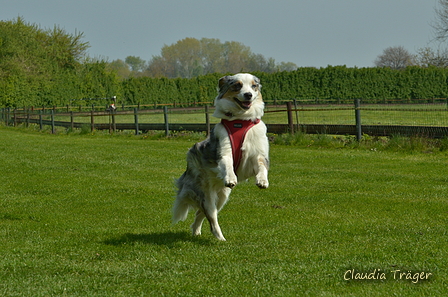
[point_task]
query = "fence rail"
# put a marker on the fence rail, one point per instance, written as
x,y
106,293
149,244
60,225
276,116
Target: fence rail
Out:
x,y
279,119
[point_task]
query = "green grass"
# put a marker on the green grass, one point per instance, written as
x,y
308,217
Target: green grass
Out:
x,y
89,215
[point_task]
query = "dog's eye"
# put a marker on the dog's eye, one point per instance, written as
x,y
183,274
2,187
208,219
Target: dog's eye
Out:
x,y
237,86
254,86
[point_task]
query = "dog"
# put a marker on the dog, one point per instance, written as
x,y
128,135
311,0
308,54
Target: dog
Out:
x,y
236,149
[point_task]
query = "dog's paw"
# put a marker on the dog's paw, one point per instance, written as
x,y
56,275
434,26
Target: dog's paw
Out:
x,y
231,181
230,184
262,184
196,232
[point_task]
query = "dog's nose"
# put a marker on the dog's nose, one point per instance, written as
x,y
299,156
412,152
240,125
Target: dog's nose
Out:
x,y
247,96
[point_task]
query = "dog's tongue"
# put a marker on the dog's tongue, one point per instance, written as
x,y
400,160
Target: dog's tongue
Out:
x,y
246,104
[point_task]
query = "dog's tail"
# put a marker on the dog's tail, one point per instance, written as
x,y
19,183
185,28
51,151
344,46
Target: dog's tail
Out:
x,y
180,211
181,207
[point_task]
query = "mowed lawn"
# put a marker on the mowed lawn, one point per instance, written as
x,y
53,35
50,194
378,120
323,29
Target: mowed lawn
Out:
x,y
84,215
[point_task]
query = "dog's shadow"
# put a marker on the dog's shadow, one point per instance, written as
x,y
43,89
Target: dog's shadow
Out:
x,y
169,239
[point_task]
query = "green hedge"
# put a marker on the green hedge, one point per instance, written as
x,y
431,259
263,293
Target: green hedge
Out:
x,y
339,82
59,88
48,67
92,80
371,84
146,90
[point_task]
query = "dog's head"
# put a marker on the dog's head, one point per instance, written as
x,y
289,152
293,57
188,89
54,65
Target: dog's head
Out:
x,y
239,97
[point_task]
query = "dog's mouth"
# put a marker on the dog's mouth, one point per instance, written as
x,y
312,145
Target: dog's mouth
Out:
x,y
243,104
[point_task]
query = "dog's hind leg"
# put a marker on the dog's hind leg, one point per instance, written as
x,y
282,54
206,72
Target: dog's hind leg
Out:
x,y
211,213
197,224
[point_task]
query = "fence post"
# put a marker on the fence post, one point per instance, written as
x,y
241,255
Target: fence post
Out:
x,y
53,128
8,116
207,120
15,117
136,120
72,121
290,120
41,124
114,125
92,121
27,117
165,116
297,114
358,119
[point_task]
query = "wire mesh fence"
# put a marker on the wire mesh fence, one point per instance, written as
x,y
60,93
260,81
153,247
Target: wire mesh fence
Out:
x,y
427,117
432,112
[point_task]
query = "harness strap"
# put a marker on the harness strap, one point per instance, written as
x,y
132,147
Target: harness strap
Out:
x,y
237,132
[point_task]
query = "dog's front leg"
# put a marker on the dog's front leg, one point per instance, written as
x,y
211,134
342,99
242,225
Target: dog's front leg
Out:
x,y
262,173
225,165
226,171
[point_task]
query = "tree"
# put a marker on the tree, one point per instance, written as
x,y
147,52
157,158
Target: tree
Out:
x,y
182,59
157,67
67,49
396,57
211,53
136,63
187,58
427,57
191,57
441,24
48,67
120,67
235,56
257,62
287,66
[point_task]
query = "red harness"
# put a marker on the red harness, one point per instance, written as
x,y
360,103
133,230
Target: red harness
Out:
x,y
237,132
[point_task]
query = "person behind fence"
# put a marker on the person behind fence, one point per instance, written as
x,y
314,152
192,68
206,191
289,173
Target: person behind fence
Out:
x,y
111,108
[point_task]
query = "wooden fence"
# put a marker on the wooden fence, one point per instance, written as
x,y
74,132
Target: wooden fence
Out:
x,y
48,117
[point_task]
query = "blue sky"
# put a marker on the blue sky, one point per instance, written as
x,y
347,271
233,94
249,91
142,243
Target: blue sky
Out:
x,y
306,32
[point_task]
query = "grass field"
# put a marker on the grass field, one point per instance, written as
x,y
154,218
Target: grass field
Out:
x,y
89,215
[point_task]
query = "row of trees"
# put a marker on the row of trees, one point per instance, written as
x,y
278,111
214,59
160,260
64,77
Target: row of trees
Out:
x,y
397,57
50,67
191,57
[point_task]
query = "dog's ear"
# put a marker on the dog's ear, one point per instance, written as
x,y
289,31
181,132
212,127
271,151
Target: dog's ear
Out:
x,y
257,81
223,85
223,81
